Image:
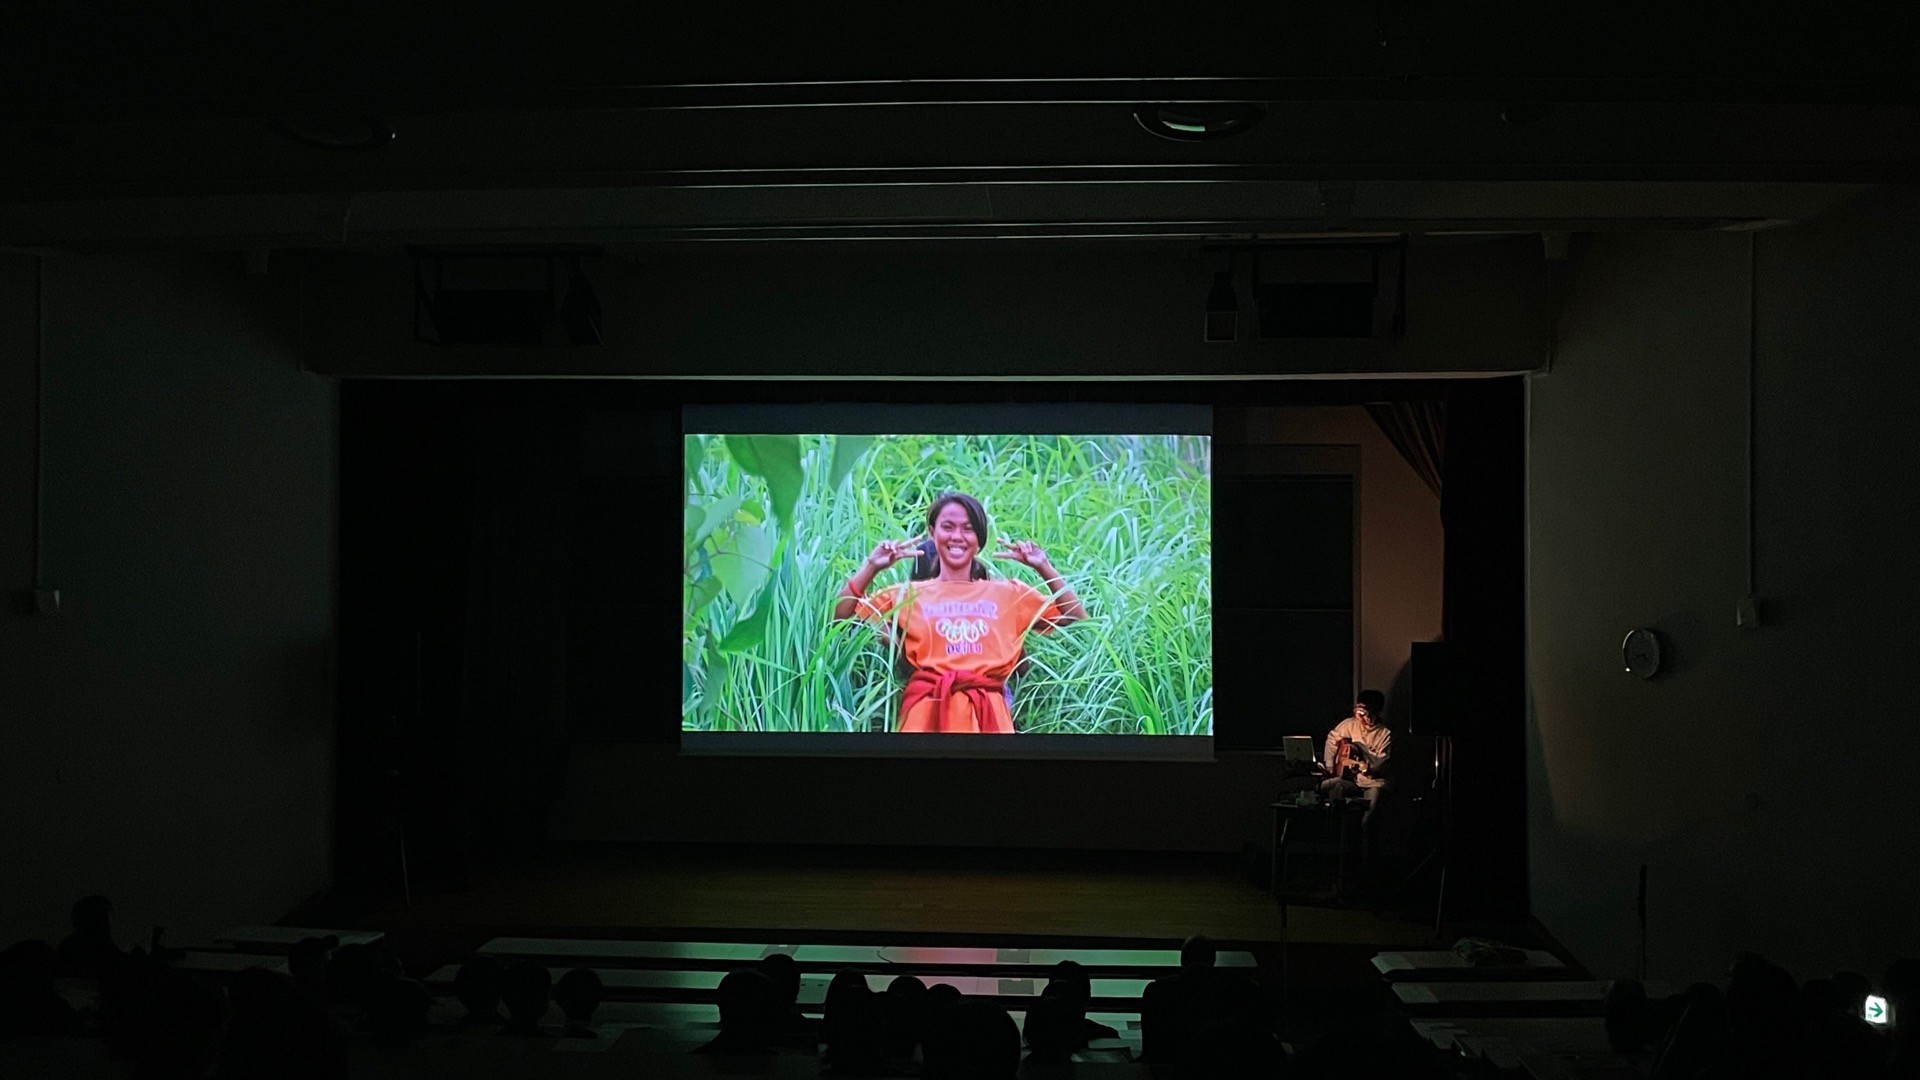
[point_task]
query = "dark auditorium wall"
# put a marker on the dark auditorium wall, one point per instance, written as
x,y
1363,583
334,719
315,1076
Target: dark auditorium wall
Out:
x,y
166,737
1765,778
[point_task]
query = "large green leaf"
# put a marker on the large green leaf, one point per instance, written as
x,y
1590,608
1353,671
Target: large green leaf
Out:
x,y
776,460
749,632
711,514
847,451
702,594
743,562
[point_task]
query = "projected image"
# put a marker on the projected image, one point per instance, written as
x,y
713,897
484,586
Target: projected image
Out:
x,y
976,584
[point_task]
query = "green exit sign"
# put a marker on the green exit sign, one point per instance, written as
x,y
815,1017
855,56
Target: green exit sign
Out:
x,y
1875,1010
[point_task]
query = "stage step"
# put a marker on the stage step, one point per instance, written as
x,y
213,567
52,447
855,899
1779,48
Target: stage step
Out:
x,y
900,960
700,1021
1516,998
282,939
1121,996
1438,964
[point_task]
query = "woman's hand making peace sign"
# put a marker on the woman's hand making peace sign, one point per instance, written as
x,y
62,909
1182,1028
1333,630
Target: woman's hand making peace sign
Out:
x,y
888,552
1024,552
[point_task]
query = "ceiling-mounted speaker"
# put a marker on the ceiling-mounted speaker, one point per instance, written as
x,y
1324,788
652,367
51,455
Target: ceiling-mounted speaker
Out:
x,y
1331,290
505,296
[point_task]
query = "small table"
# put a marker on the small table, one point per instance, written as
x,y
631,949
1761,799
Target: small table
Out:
x,y
1284,813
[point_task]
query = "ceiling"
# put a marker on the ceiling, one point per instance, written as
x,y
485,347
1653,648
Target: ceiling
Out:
x,y
588,124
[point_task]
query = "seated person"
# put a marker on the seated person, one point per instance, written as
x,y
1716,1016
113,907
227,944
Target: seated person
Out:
x,y
1203,1015
1069,984
749,1014
89,950
1357,752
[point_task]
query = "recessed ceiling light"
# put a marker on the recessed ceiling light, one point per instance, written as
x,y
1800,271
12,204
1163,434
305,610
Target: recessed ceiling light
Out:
x,y
1198,121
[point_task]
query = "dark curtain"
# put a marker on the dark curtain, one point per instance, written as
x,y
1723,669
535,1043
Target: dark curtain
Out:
x,y
1483,514
455,510
1418,429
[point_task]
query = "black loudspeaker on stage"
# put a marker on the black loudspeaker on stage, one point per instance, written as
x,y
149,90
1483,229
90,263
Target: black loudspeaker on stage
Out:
x,y
1434,687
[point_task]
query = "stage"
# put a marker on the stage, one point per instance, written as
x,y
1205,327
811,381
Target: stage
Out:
x,y
662,924
852,894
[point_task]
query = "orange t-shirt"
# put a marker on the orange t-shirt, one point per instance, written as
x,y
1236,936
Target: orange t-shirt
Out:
x,y
975,627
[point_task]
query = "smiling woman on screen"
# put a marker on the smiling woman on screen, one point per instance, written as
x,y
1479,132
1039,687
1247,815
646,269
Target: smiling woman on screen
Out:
x,y
962,629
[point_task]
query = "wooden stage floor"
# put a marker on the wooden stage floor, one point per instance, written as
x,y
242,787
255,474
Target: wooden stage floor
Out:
x,y
855,895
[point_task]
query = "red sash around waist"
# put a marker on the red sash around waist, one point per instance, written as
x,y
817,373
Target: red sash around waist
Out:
x,y
943,686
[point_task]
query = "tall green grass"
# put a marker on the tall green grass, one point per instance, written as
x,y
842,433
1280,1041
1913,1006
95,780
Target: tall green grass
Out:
x,y
775,524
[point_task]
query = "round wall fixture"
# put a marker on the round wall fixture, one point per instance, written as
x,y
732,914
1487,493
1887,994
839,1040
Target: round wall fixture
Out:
x,y
1641,653
1199,121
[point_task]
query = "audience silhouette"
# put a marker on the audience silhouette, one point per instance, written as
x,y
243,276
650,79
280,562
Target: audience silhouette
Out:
x,y
855,1026
749,1013
526,989
579,993
29,1004
259,1024
89,950
973,1040
905,1013
307,962
477,985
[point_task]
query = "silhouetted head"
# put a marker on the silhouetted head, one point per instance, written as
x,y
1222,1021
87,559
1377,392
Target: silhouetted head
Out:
x,y
1745,963
1197,954
956,534
1818,1000
397,1011
356,972
89,949
905,1006
29,1005
784,970
477,985
307,961
1851,988
749,1007
1068,982
176,1028
579,993
92,917
1626,1016
279,1030
526,988
1696,1030
1762,1003
974,1040
854,1022
1901,986
943,996
1052,1030
260,996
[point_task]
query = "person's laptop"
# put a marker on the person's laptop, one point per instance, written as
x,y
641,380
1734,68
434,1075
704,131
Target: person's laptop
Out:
x,y
1297,750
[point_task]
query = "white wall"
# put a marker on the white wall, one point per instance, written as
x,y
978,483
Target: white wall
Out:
x,y
1762,778
1401,543
167,737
